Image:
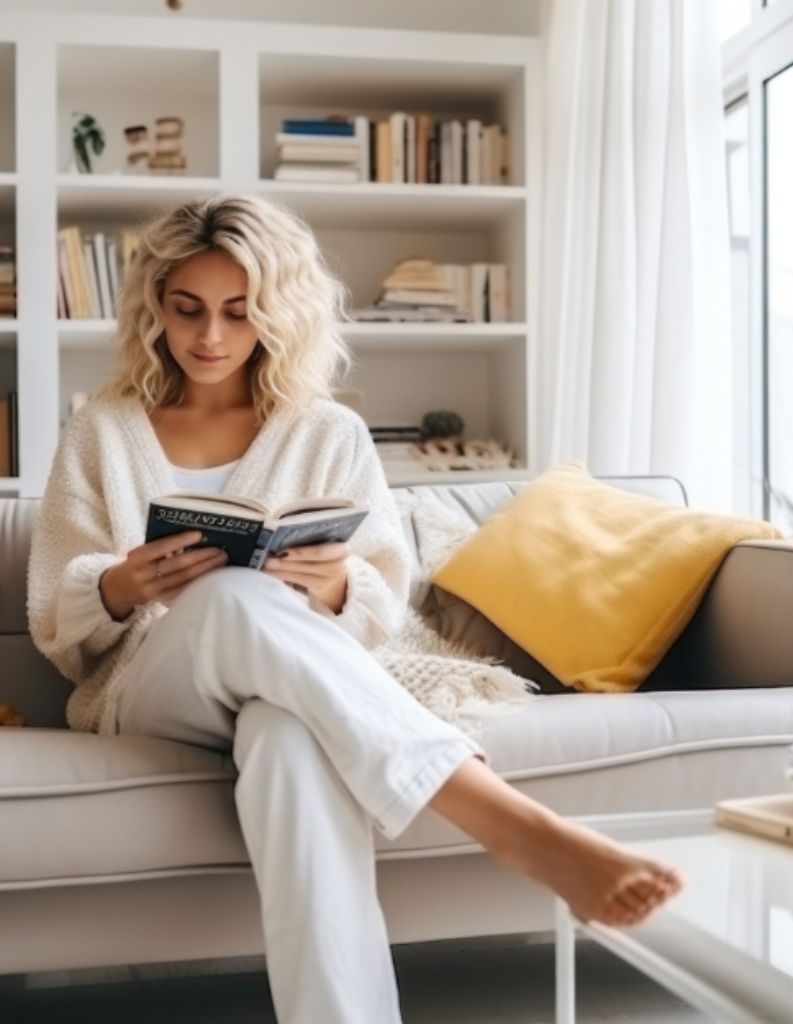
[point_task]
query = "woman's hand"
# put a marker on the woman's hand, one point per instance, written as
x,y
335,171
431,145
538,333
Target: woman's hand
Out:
x,y
318,568
156,570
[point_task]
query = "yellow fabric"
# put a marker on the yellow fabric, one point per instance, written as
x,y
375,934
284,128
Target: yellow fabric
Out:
x,y
594,582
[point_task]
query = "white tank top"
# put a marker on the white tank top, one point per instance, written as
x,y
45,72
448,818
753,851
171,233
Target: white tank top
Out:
x,y
207,481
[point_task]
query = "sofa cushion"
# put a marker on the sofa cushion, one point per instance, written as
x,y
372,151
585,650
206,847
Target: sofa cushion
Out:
x,y
79,806
593,582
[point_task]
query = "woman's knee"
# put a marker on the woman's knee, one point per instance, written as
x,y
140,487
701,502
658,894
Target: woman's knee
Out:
x,y
231,588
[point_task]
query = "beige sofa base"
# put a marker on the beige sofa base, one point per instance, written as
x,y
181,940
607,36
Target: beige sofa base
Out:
x,y
215,915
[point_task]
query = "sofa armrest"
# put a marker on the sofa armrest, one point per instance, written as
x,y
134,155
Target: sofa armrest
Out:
x,y
742,633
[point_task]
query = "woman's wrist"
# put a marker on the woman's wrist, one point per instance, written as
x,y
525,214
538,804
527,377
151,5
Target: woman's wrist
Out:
x,y
335,595
116,611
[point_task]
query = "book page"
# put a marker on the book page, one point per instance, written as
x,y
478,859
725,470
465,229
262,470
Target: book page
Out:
x,y
326,503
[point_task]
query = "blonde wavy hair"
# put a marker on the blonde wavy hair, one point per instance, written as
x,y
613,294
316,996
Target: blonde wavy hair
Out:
x,y
293,300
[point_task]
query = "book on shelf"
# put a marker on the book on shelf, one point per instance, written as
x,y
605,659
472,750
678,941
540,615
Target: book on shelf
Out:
x,y
247,530
408,314
9,439
93,279
395,435
424,129
316,172
298,153
334,124
473,150
383,151
101,263
397,123
417,297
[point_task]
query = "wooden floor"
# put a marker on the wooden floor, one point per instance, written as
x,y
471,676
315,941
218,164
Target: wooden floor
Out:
x,y
489,981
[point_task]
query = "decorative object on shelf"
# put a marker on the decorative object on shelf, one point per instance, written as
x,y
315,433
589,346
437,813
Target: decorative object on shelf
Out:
x,y
441,424
8,716
166,156
136,137
445,453
174,5
86,132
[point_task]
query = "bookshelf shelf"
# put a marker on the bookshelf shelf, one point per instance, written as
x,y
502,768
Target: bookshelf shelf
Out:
x,y
433,337
125,196
378,336
80,334
408,477
233,83
391,205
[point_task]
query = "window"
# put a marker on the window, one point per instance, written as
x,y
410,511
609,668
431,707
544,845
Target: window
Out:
x,y
779,299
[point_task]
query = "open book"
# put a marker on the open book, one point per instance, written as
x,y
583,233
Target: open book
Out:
x,y
247,530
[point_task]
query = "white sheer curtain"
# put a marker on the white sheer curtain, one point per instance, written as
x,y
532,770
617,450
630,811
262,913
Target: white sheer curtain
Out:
x,y
634,354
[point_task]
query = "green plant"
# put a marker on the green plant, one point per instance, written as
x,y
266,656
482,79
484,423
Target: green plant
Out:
x,y
86,132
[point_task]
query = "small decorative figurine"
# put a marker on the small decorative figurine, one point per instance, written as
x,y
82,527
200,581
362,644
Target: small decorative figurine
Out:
x,y
137,138
86,133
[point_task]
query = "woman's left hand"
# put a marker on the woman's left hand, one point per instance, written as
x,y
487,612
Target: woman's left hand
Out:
x,y
318,568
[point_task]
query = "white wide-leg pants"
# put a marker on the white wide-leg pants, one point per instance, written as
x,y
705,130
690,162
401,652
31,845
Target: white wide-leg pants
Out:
x,y
326,742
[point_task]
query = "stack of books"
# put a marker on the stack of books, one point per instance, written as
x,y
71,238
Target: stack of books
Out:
x,y
401,148
421,291
333,149
8,282
426,150
89,272
397,444
9,443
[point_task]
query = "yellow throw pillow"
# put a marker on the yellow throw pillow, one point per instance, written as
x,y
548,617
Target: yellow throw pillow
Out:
x,y
594,582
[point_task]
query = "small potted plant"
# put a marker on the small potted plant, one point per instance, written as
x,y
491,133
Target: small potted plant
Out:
x,y
86,135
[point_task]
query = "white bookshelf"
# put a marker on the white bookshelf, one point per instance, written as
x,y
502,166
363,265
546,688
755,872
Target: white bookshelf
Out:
x,y
232,82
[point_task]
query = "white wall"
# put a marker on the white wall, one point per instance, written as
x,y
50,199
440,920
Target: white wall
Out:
x,y
510,17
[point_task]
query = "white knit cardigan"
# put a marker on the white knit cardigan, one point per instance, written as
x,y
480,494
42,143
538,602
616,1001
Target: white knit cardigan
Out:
x,y
108,466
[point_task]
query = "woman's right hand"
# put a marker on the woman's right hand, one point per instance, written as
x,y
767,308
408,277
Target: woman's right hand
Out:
x,y
156,570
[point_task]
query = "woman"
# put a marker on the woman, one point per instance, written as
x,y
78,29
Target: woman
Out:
x,y
228,346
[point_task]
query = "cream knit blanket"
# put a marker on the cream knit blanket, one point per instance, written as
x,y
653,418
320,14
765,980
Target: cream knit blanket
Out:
x,y
448,679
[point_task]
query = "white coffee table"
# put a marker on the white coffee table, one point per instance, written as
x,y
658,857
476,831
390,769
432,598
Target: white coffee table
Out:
x,y
724,944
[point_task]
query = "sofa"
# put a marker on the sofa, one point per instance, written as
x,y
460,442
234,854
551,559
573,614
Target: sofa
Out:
x,y
124,850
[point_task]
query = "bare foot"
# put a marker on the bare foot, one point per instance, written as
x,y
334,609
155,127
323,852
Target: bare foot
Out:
x,y
600,880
